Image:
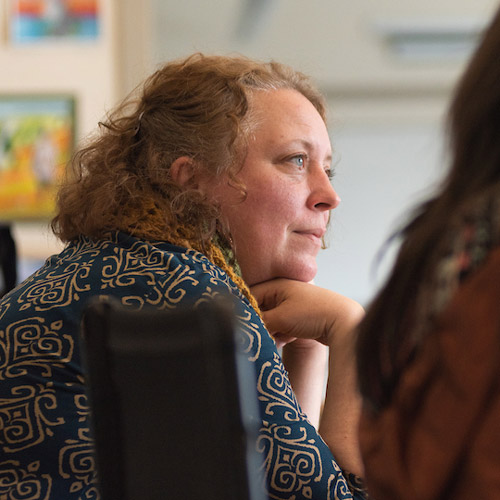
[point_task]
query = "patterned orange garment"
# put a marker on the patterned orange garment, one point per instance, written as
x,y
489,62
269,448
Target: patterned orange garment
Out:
x,y
439,438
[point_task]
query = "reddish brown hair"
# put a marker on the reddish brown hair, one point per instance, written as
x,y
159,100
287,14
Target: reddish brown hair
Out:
x,y
196,107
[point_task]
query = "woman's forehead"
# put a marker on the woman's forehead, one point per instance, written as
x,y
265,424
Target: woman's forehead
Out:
x,y
280,104
285,114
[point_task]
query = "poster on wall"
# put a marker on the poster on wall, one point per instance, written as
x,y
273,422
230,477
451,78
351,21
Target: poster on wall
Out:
x,y
52,20
36,142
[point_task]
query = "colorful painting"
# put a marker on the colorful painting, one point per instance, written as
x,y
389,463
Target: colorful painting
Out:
x,y
38,20
36,142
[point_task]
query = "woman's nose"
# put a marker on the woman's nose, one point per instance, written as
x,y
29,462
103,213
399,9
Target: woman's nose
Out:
x,y
323,196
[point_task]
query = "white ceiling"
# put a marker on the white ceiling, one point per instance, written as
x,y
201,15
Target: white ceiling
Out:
x,y
349,46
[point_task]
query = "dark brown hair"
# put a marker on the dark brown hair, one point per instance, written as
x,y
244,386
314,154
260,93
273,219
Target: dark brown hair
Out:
x,y
196,107
474,128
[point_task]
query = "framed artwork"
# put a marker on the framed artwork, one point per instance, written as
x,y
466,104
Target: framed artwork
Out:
x,y
37,135
51,20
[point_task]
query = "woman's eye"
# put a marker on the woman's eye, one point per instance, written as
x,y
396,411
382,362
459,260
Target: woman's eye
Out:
x,y
299,160
330,173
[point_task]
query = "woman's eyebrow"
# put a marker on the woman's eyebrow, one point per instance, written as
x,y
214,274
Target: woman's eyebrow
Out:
x,y
310,146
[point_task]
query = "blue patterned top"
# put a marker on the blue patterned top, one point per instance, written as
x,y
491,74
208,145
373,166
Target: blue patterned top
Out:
x,y
46,445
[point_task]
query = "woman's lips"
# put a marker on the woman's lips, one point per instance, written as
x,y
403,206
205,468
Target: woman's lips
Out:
x,y
313,234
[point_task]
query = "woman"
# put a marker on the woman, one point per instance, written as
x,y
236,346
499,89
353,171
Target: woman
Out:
x,y
215,177
428,351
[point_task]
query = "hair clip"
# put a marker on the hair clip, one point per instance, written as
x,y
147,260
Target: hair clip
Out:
x,y
138,126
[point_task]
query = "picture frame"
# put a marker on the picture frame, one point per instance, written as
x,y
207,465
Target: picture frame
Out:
x,y
34,21
37,138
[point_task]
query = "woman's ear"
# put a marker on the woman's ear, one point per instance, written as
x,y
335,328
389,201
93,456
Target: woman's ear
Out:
x,y
182,171
185,173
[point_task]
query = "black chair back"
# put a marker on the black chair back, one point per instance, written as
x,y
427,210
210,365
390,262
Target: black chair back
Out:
x,y
173,402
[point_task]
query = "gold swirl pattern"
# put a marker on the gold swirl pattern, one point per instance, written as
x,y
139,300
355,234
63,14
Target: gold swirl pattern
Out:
x,y
167,285
44,411
90,493
292,463
338,489
25,418
57,289
209,295
276,392
217,275
17,483
76,461
4,307
84,249
33,342
82,406
250,338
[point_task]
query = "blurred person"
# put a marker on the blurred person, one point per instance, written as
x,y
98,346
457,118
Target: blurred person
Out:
x,y
429,349
212,177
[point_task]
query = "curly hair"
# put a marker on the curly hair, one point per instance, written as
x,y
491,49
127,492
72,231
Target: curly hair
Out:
x,y
198,107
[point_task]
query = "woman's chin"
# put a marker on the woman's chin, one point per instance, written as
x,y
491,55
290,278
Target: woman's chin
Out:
x,y
300,273
297,273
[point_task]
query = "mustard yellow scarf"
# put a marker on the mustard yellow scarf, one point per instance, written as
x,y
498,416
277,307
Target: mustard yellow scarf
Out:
x,y
147,221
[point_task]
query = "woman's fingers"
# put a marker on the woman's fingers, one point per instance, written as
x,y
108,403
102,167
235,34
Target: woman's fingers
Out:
x,y
270,294
297,309
290,308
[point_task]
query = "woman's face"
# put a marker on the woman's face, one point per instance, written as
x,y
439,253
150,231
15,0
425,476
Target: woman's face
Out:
x,y
277,231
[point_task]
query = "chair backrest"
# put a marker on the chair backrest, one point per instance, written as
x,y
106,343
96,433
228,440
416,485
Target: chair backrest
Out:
x,y
174,404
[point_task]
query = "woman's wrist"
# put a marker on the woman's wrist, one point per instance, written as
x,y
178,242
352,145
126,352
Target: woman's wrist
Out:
x,y
307,364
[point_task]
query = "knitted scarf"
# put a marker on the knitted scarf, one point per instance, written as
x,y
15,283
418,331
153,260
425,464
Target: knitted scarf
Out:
x,y
147,221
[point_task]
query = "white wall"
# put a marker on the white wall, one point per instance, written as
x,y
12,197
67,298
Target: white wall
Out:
x,y
389,156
